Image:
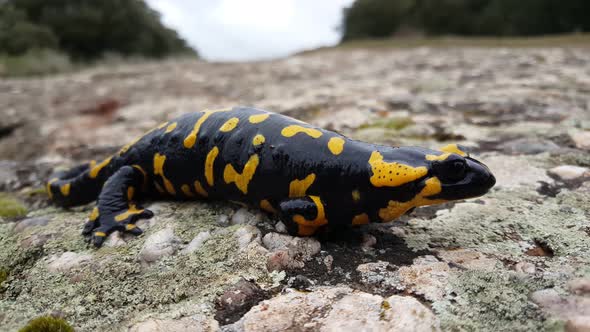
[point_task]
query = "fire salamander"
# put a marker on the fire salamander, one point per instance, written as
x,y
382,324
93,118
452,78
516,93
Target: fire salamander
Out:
x,y
307,176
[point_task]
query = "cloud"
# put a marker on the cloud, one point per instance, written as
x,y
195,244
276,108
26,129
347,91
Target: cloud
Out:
x,y
241,30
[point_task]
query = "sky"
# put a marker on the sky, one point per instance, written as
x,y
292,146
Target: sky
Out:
x,y
248,30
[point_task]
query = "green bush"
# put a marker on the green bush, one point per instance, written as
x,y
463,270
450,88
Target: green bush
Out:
x,y
35,62
382,18
47,324
86,29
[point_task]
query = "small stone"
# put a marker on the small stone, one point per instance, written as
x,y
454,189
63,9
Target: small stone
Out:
x,y
582,139
578,324
528,146
35,240
237,300
223,220
546,298
160,244
305,246
288,252
405,313
67,261
244,217
196,323
328,261
569,172
247,234
280,227
525,267
115,239
427,277
580,286
300,282
368,241
337,309
196,243
30,222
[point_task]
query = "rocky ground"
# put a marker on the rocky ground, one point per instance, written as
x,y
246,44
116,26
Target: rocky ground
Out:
x,y
517,259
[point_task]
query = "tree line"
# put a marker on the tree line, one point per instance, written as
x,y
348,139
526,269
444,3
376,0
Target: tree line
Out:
x,y
86,29
384,18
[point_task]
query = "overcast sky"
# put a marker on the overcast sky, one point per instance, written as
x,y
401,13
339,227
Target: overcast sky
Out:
x,y
238,30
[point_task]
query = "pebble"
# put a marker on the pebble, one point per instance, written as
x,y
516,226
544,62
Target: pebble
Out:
x,y
280,227
160,244
582,140
196,243
115,239
569,172
288,252
196,323
237,300
247,234
67,261
368,241
337,309
244,217
30,222
580,286
528,146
525,267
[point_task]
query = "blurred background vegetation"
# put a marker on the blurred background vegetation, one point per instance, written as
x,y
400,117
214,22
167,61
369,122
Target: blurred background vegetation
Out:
x,y
40,36
385,18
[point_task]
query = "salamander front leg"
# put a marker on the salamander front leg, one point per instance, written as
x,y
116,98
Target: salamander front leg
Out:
x,y
303,216
116,209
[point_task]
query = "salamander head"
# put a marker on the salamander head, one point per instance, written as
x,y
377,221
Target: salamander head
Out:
x,y
460,175
408,177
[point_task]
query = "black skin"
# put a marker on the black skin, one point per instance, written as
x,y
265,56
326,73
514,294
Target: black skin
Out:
x,y
340,186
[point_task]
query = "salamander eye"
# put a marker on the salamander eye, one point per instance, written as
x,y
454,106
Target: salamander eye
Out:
x,y
452,170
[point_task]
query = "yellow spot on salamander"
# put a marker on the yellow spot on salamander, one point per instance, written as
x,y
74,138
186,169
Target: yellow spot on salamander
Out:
x,y
293,130
94,214
49,192
143,173
356,195
336,145
442,157
258,140
170,128
209,165
191,139
229,125
65,189
241,180
266,206
100,234
96,169
360,219
159,170
258,118
131,211
129,227
130,192
454,148
395,209
298,188
200,190
392,174
186,189
308,227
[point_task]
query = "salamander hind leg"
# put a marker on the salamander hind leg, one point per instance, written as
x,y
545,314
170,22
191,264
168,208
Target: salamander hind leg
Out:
x,y
116,209
303,216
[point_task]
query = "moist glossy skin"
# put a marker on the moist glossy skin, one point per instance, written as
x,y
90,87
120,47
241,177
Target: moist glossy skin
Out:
x,y
310,177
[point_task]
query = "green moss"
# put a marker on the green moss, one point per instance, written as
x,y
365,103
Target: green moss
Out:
x,y
47,324
3,275
10,207
395,123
